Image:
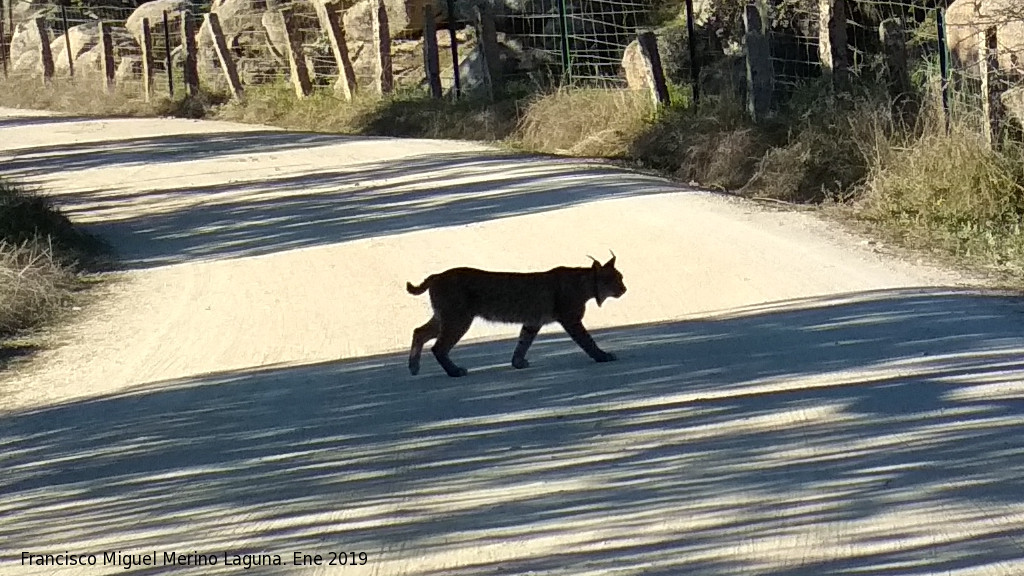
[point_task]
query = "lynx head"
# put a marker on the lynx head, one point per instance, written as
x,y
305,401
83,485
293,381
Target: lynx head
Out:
x,y
607,280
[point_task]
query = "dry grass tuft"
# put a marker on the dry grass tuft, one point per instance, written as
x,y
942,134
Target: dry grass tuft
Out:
x,y
408,113
952,192
34,285
585,122
41,255
86,96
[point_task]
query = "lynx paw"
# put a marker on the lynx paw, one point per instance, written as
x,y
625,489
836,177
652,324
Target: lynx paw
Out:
x,y
414,367
520,363
608,357
458,372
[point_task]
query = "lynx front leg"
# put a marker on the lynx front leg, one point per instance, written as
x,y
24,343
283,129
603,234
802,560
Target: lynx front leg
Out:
x,y
526,336
451,333
583,339
421,336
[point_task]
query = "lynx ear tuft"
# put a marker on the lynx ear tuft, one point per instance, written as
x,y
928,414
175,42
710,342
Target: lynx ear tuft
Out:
x,y
596,264
610,263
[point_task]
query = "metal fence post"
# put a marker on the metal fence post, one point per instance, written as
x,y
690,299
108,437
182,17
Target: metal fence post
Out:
x,y
563,28
67,40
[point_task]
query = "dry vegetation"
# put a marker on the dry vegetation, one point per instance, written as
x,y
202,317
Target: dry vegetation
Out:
x,y
42,260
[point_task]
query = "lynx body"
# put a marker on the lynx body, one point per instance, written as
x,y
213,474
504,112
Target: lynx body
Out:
x,y
533,299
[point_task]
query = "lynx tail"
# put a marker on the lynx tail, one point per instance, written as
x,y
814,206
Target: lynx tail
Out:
x,y
417,290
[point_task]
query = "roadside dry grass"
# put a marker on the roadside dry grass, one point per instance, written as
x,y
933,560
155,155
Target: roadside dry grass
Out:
x,y
86,96
585,122
406,113
43,258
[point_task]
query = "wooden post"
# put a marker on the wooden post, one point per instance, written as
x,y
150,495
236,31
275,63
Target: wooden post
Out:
x,y
44,49
67,40
456,81
188,42
108,56
167,55
759,64
346,84
894,40
991,88
3,45
431,55
487,45
832,41
223,56
296,57
649,48
383,76
147,60
691,40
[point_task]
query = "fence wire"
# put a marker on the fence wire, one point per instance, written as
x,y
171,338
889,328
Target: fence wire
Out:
x,y
580,41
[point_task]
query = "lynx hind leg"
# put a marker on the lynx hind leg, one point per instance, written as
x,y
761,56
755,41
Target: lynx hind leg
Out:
x,y
526,336
451,332
421,336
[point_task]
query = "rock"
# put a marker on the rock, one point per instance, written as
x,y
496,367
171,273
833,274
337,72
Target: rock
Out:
x,y
154,10
241,22
91,60
965,31
1013,102
83,38
641,71
304,21
405,19
129,69
26,10
25,48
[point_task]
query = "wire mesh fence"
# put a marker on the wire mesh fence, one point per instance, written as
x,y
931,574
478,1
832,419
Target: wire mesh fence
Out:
x,y
575,41
903,44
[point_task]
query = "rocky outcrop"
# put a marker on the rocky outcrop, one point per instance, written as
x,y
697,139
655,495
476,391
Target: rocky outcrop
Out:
x,y
966,22
154,11
241,22
25,10
91,60
83,38
1013,102
25,48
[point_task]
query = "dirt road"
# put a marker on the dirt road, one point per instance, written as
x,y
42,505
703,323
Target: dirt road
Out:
x,y
787,402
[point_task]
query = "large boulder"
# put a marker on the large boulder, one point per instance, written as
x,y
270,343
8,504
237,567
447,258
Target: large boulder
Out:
x,y
319,58
125,47
966,22
154,11
25,48
83,38
405,19
241,22
304,21
25,10
1013,101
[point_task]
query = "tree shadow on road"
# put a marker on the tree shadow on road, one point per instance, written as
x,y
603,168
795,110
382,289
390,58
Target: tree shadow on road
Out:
x,y
111,151
251,218
158,221
835,436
